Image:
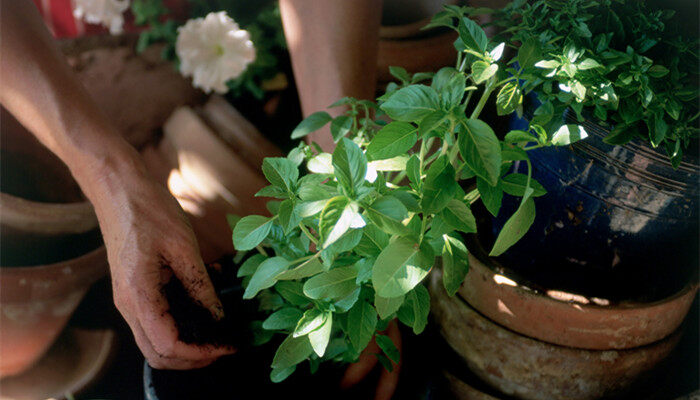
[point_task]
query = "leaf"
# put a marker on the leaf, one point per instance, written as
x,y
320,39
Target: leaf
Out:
x,y
588,63
458,216
439,186
455,264
399,268
491,196
349,164
285,318
272,191
310,321
340,127
392,140
413,170
514,185
265,276
362,321
415,309
482,71
473,37
529,52
292,292
411,103
509,98
657,71
307,268
311,123
387,305
399,73
431,122
518,136
281,172
250,231
373,241
278,375
321,164
250,265
497,52
292,351
388,347
289,218
449,84
386,213
568,134
516,227
364,269
334,284
481,150
337,217
319,338
397,163
346,303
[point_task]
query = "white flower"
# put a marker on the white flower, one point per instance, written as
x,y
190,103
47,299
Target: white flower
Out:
x,y
104,12
213,50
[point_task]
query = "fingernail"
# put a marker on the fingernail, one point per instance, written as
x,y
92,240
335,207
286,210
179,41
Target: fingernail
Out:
x,y
217,311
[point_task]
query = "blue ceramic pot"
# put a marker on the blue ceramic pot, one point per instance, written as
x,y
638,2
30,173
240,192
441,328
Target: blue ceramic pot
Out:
x,y
616,213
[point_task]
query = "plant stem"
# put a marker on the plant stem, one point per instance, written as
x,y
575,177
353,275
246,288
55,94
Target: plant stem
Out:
x,y
261,250
308,234
482,101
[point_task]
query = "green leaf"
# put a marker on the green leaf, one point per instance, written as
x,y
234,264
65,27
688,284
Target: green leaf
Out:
x,y
518,136
272,191
588,63
281,172
307,268
516,227
285,318
515,185
292,292
392,140
278,375
399,268
473,37
528,53
491,196
310,321
439,186
339,215
373,241
265,276
458,216
346,303
321,164
449,84
388,347
320,337
387,212
334,284
481,150
411,103
364,269
415,309
362,321
387,305
250,265
292,351
568,134
288,216
400,73
413,170
312,123
397,163
250,231
432,122
509,98
349,164
340,127
657,71
483,71
455,264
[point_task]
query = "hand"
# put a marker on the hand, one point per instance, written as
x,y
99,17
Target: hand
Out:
x,y
149,242
387,380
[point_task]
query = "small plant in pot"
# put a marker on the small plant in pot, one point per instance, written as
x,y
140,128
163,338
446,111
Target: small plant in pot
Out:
x,y
624,74
350,242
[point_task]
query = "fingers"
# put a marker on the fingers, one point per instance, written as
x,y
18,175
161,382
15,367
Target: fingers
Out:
x,y
189,269
356,372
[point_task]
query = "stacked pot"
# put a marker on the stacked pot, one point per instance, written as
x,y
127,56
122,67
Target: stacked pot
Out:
x,y
51,249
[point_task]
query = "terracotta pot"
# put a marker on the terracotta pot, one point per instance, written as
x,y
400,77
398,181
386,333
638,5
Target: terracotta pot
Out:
x,y
531,369
569,319
423,54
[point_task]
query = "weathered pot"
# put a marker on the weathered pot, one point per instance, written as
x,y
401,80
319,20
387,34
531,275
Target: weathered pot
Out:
x,y
421,54
531,369
569,319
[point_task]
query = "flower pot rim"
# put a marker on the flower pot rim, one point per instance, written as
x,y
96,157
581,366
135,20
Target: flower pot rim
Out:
x,y
569,319
10,270
47,217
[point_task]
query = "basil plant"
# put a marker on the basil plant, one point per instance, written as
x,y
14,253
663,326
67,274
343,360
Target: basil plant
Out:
x,y
352,238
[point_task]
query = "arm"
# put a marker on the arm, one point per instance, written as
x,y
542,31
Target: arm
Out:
x,y
333,46
147,236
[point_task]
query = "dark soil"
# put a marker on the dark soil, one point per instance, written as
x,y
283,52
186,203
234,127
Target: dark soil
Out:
x,y
196,324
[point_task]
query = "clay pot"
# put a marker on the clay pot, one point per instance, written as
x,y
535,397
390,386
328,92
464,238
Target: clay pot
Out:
x,y
569,319
422,54
531,369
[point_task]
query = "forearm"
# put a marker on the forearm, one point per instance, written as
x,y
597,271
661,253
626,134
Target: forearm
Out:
x,y
41,91
333,46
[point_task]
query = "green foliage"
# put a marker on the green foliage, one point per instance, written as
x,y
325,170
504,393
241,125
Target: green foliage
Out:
x,y
623,62
260,18
355,234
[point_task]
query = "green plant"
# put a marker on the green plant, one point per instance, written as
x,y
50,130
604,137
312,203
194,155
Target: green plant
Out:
x,y
261,19
350,242
622,61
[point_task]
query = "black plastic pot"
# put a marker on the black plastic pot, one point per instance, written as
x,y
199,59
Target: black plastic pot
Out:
x,y
614,217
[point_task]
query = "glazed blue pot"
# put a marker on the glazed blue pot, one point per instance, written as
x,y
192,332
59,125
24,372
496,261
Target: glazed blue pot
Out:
x,y
617,213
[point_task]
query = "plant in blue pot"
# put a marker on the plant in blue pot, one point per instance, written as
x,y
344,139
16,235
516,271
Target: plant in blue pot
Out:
x,y
621,213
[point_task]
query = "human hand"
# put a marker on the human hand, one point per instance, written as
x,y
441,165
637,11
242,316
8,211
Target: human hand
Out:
x,y
149,242
358,371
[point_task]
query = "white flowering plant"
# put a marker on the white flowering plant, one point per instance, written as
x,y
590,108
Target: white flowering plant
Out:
x,y
109,13
225,46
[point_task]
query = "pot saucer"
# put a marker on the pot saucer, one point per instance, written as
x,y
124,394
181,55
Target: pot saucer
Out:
x,y
74,361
